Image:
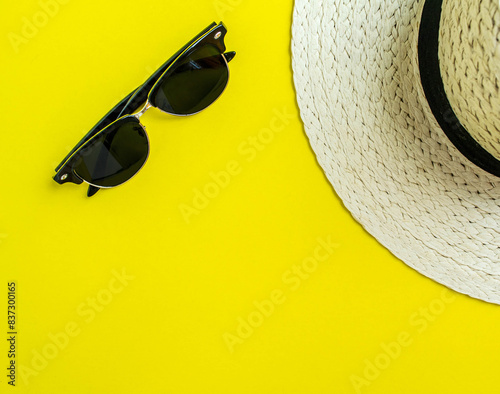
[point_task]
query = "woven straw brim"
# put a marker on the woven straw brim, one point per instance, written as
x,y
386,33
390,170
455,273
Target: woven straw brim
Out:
x,y
367,119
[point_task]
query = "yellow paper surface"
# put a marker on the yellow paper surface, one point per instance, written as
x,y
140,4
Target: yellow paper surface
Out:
x,y
228,264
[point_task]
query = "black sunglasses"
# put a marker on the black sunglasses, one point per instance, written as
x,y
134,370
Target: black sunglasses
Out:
x,y
117,147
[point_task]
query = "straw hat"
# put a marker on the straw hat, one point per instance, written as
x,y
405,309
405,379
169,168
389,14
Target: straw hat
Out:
x,y
400,100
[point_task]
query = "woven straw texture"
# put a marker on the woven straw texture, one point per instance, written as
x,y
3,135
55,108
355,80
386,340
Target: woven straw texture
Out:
x,y
362,104
470,67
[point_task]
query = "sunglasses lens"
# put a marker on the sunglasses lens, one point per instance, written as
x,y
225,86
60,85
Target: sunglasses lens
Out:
x,y
192,84
115,155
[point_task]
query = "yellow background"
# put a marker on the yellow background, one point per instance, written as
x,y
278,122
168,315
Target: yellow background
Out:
x,y
362,321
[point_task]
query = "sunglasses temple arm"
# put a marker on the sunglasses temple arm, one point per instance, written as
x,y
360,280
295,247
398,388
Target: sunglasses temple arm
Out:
x,y
229,56
92,190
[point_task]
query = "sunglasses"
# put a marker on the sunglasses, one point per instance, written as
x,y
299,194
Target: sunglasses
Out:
x,y
117,147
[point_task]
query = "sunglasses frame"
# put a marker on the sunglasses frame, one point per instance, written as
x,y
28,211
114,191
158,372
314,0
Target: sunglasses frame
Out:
x,y
214,35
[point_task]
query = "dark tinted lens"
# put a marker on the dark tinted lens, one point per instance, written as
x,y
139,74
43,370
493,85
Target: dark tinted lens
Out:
x,y
193,83
115,155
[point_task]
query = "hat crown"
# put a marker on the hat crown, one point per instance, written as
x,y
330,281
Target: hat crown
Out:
x,y
469,59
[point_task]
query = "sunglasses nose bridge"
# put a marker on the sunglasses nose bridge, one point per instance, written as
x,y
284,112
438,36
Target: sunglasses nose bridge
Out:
x,y
143,110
